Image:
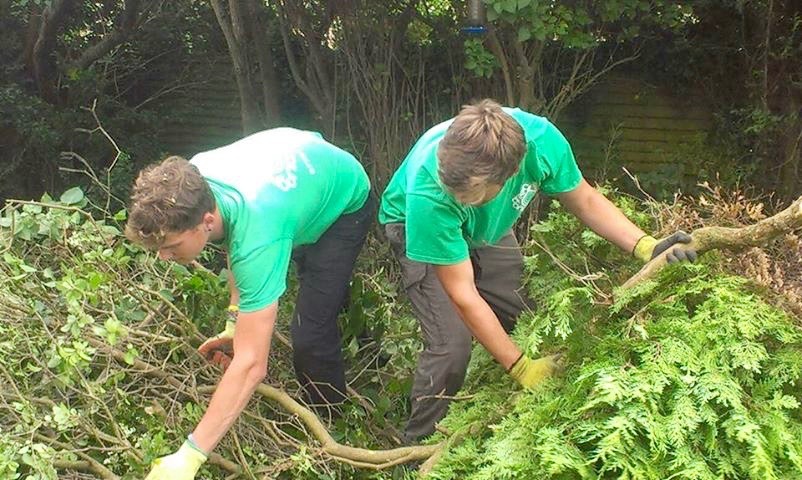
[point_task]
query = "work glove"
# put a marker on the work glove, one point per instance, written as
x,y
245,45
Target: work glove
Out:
x,y
648,248
220,348
530,373
182,465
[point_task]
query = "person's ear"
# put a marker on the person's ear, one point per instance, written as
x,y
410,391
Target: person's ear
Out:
x,y
208,221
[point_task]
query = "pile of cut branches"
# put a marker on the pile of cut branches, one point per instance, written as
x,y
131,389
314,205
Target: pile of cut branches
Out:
x,y
694,373
98,369
691,373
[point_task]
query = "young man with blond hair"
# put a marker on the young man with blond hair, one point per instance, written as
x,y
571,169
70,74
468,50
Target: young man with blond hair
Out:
x,y
448,213
272,196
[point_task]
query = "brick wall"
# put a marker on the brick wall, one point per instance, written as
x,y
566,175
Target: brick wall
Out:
x,y
627,122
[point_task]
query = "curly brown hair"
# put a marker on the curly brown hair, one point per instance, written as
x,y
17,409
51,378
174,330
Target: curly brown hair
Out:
x,y
484,145
167,197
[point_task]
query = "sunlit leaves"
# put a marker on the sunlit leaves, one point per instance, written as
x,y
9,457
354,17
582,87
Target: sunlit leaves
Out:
x,y
72,196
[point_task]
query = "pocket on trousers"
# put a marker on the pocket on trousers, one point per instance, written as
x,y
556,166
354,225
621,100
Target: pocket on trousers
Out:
x,y
412,272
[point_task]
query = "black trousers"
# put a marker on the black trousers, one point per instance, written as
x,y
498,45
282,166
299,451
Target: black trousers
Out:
x,y
324,274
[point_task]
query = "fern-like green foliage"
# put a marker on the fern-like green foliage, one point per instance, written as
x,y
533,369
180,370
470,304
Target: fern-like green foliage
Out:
x,y
691,376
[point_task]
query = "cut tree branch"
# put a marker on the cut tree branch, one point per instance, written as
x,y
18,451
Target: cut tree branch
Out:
x,y
715,238
359,457
365,458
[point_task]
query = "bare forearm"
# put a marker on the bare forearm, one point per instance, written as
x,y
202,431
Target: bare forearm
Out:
x,y
485,326
602,216
249,367
610,223
229,400
232,289
457,280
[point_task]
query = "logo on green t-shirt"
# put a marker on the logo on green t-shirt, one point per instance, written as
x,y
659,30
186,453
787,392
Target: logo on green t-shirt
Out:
x,y
286,178
525,195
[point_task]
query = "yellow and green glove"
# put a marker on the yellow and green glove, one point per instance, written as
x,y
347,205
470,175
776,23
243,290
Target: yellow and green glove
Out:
x,y
220,348
648,248
529,373
182,465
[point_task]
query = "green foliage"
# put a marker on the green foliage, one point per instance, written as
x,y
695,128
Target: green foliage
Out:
x,y
73,304
582,25
748,82
82,290
478,60
692,375
576,26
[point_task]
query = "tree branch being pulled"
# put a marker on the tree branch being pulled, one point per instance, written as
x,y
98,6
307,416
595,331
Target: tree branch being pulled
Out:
x,y
715,238
358,457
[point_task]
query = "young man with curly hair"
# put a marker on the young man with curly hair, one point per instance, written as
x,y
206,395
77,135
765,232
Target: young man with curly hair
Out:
x,y
448,213
273,196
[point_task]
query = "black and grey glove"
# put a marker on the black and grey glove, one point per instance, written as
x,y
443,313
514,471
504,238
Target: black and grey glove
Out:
x,y
648,248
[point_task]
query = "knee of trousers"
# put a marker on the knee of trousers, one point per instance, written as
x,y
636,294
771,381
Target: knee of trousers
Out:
x,y
317,350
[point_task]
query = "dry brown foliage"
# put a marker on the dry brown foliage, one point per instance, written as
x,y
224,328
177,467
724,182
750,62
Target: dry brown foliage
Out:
x,y
776,266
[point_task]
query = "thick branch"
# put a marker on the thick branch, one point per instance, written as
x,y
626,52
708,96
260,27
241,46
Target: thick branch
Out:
x,y
125,25
232,25
366,458
360,457
712,238
316,84
498,51
90,463
427,466
269,82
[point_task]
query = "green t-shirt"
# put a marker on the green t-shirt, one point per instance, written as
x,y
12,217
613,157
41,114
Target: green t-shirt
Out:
x,y
440,230
276,190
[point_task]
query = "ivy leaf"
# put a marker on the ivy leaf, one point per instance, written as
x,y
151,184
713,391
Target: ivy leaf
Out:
x,y
524,34
130,355
72,196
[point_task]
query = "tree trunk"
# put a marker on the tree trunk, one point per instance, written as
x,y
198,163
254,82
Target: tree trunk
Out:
x,y
270,85
316,78
43,60
231,23
790,172
733,239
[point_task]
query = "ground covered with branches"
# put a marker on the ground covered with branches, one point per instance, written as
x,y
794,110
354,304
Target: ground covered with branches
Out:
x,y
99,373
694,374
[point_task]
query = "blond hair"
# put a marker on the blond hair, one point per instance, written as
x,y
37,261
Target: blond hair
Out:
x,y
167,197
483,146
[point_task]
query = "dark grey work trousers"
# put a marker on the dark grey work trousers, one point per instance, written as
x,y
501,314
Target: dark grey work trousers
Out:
x,y
498,271
324,276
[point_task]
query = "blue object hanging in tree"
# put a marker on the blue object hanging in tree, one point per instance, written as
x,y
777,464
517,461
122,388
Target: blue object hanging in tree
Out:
x,y
475,25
